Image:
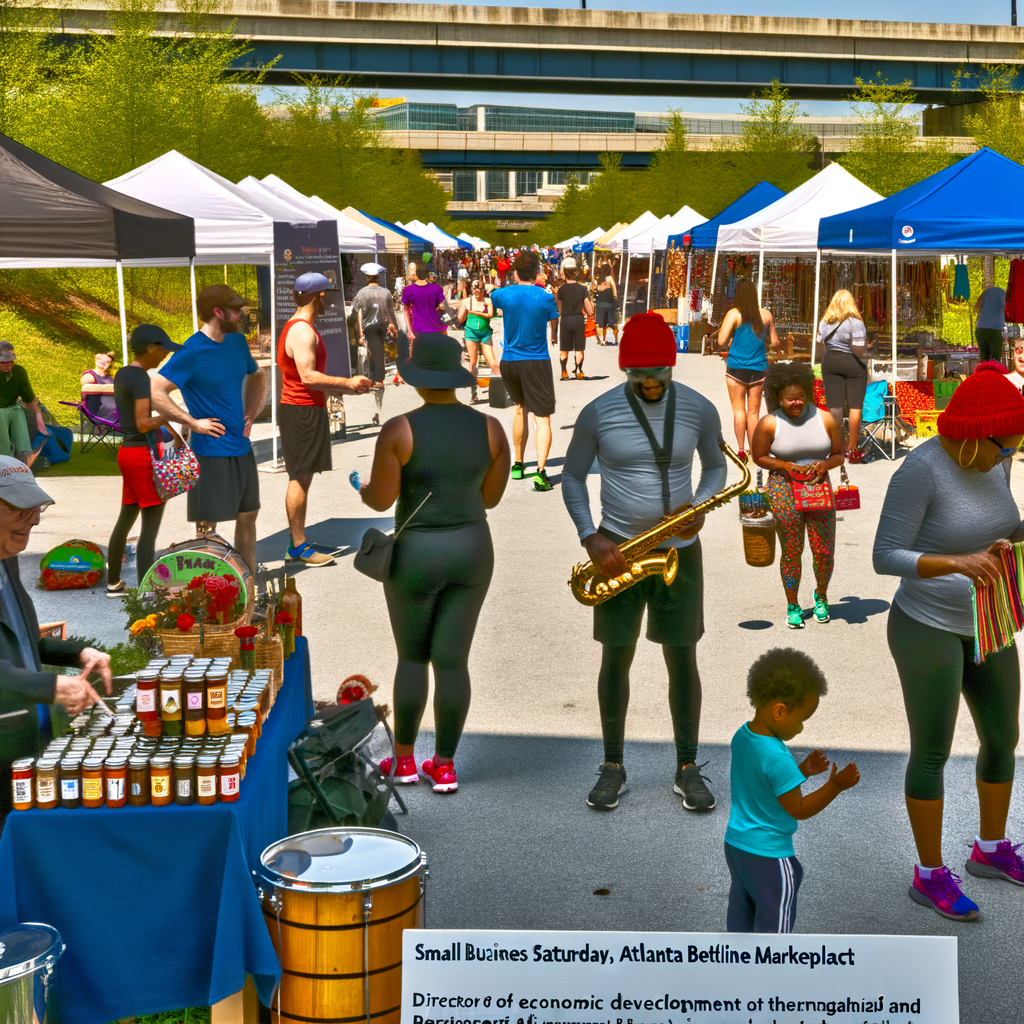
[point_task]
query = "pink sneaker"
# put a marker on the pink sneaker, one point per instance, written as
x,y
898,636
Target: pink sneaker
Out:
x,y
1004,863
405,772
942,893
443,776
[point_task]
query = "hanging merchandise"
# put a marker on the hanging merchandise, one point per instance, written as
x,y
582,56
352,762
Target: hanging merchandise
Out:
x,y
1015,293
961,283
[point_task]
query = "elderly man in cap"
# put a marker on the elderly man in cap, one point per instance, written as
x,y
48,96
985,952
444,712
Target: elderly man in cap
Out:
x,y
23,683
375,314
14,385
302,414
221,384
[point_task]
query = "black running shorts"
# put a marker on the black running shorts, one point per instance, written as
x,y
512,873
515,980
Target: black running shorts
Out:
x,y
305,439
530,384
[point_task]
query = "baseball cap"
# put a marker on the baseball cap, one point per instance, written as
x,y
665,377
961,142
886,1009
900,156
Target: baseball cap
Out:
x,y
311,281
18,485
568,263
149,334
7,352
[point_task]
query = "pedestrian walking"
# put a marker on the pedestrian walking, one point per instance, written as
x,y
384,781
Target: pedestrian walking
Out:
x,y
606,304
476,313
574,306
219,380
375,319
844,373
423,302
302,412
445,464
988,330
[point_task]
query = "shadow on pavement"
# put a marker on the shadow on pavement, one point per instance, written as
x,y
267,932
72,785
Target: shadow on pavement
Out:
x,y
334,536
856,609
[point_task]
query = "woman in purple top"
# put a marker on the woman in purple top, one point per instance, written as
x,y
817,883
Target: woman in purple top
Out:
x,y
422,302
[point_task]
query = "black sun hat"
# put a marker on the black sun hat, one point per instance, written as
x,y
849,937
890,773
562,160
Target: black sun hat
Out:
x,y
436,362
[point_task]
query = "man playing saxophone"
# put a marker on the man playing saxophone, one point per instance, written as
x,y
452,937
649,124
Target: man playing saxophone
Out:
x,y
644,435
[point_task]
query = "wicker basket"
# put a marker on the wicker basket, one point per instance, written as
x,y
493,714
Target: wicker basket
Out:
x,y
270,654
218,641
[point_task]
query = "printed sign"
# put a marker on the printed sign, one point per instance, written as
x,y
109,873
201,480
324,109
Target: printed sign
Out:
x,y
175,569
514,225
517,977
298,249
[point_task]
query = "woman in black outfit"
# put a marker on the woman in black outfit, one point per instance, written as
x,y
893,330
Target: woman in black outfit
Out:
x,y
573,300
446,464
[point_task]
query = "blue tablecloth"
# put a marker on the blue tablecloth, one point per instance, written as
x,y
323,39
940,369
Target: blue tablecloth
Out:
x,y
157,904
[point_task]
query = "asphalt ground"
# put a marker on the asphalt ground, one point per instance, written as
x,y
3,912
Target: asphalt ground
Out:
x,y
516,847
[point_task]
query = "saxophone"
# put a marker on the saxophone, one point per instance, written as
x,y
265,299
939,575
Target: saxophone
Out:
x,y
591,587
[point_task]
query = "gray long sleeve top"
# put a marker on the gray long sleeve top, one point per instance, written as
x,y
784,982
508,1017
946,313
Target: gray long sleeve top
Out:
x,y
933,507
631,500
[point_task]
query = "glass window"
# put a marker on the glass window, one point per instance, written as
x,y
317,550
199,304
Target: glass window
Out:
x,y
464,186
497,184
531,119
527,182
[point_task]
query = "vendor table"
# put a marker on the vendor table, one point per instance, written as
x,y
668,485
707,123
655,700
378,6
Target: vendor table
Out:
x,y
157,905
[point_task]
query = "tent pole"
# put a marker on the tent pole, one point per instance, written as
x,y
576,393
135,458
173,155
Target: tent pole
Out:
x,y
273,363
124,320
684,305
650,277
893,315
711,304
760,268
192,282
817,290
623,281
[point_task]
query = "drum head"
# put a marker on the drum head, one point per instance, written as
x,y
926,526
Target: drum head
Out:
x,y
24,948
341,860
173,569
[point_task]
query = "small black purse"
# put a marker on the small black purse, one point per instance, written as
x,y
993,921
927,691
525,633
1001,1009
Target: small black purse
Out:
x,y
373,558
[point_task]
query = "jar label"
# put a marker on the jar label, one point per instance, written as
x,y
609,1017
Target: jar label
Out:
x,y
195,701
115,790
45,790
160,785
207,785
136,789
92,789
229,784
145,700
22,791
171,701
184,787
69,789
216,697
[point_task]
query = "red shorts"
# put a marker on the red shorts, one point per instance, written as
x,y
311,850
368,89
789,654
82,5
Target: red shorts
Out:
x,y
137,487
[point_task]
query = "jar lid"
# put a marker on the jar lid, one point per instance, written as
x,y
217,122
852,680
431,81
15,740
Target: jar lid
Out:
x,y
160,761
22,763
93,762
169,674
116,762
70,762
229,759
206,759
247,718
183,760
26,948
46,763
138,762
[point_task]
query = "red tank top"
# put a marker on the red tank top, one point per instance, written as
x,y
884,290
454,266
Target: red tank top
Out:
x,y
293,391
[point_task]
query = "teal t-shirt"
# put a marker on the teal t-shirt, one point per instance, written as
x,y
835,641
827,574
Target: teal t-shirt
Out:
x,y
762,770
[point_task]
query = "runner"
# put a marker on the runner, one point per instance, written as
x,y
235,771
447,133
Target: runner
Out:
x,y
573,301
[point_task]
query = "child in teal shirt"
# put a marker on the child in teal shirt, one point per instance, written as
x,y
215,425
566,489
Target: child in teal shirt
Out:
x,y
784,687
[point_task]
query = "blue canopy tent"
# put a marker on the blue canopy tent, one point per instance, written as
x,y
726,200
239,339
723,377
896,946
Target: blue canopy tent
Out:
x,y
423,244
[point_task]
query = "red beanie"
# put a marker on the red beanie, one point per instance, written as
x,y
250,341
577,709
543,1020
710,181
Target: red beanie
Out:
x,y
984,405
647,341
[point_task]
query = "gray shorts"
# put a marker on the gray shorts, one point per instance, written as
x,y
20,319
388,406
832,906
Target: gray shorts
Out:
x,y
227,486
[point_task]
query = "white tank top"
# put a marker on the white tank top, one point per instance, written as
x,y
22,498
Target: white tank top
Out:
x,y
801,441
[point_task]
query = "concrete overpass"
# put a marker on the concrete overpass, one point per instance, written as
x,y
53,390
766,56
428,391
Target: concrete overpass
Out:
x,y
427,46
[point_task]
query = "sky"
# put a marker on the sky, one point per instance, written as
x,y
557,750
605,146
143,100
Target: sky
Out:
x,y
984,12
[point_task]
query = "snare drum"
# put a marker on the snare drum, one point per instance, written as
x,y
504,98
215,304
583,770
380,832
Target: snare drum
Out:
x,y
336,901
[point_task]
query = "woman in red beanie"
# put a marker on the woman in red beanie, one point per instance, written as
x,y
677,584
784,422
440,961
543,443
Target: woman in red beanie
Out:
x,y
948,508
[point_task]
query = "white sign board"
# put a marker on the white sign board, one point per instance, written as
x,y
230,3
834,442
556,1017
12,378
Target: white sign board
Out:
x,y
520,977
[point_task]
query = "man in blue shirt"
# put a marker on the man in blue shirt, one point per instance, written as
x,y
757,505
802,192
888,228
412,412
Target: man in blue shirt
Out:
x,y
525,364
224,391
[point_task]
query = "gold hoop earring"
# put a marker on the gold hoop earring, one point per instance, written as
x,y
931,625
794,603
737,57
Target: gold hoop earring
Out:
x,y
960,455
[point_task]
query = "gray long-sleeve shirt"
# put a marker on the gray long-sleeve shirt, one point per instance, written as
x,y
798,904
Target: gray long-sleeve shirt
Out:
x,y
933,507
631,485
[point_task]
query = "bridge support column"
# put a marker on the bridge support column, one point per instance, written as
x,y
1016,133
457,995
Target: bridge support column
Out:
x,y
481,186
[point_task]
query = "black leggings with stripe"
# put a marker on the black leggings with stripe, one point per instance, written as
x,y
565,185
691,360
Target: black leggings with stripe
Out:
x,y
763,893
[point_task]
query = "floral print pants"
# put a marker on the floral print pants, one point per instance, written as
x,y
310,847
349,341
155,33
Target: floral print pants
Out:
x,y
791,523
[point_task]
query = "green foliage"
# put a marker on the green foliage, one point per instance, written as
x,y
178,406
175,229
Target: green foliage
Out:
x,y
771,130
195,1015
27,60
998,124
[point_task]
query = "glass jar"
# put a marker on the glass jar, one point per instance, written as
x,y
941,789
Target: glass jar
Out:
x,y
116,773
160,780
93,793
23,783
138,781
146,709
236,748
248,723
170,701
216,700
46,783
185,779
71,783
206,779
229,777
195,702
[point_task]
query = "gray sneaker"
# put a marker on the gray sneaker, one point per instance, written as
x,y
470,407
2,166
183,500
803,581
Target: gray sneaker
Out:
x,y
610,783
690,786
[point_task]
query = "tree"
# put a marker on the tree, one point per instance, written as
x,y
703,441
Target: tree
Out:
x,y
771,129
27,59
998,124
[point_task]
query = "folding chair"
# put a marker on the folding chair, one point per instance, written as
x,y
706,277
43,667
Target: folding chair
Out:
x,y
881,419
98,429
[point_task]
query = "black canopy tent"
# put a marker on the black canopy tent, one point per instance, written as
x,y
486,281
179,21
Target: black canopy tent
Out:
x,y
52,217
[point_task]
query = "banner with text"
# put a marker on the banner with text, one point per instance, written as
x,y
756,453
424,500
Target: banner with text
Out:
x,y
514,977
299,248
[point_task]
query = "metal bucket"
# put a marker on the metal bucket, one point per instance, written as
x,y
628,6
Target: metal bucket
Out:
x,y
28,974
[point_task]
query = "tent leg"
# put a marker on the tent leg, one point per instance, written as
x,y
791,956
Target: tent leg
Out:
x,y
684,306
124,319
650,277
814,324
192,283
760,271
711,304
273,364
624,282
893,315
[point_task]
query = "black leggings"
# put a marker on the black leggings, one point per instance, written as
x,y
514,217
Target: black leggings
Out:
x,y
151,516
375,335
684,697
935,667
845,379
437,586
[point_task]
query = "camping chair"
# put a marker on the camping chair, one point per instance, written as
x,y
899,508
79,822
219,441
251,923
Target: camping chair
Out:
x,y
881,414
94,429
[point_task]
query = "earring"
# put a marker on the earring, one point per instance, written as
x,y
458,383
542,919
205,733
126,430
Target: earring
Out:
x,y
960,456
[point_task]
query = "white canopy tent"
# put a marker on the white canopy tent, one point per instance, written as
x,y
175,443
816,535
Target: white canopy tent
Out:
x,y
590,236
645,220
432,233
477,243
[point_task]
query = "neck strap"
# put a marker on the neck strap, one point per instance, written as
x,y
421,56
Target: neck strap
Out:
x,y
662,453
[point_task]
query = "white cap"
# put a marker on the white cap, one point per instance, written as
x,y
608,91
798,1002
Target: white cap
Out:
x,y
372,269
568,263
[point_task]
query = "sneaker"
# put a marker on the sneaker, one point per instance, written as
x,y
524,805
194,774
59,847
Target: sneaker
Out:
x,y
611,781
794,616
308,554
821,612
443,776
579,375
405,770
565,375
517,470
690,786
1004,863
116,589
942,893
541,481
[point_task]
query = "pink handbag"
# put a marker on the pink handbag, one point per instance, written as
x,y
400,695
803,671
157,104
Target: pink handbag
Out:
x,y
808,497
847,495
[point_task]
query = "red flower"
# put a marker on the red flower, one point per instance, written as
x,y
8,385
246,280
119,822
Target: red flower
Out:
x,y
186,622
352,693
246,632
283,619
195,583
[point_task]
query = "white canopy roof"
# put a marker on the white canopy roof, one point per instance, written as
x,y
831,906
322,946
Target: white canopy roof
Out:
x,y
431,232
590,236
790,224
352,237
477,243
645,220
656,235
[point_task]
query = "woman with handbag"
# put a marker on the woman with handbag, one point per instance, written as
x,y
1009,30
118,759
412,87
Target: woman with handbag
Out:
x,y
445,464
798,444
843,370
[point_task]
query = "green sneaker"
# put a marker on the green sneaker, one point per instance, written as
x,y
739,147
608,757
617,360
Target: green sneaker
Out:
x,y
541,481
821,612
794,616
517,471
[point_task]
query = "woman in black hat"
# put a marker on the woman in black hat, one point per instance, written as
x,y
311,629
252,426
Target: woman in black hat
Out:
x,y
445,464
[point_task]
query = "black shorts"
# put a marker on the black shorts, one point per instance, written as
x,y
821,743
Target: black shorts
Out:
x,y
305,439
572,333
227,486
845,378
747,377
606,316
530,384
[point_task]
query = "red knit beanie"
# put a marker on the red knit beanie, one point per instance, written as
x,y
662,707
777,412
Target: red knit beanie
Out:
x,y
647,341
984,405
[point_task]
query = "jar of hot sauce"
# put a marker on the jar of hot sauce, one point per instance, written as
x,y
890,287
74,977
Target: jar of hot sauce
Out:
x,y
206,779
138,781
46,783
116,772
229,777
195,702
170,700
146,707
160,781
23,783
216,700
93,794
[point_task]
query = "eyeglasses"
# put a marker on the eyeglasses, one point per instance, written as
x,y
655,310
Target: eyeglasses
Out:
x,y
24,513
1004,453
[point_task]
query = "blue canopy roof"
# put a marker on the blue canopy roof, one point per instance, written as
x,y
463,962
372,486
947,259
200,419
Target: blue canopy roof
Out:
x,y
705,236
422,243
583,247
978,203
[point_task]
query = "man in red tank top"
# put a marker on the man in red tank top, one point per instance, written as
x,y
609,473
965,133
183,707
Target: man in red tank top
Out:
x,y
302,414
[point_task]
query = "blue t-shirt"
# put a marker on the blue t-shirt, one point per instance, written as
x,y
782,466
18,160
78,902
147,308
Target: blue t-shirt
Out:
x,y
210,377
762,770
526,310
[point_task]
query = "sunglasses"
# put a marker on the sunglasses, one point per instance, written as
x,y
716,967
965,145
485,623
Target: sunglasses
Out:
x,y
1004,453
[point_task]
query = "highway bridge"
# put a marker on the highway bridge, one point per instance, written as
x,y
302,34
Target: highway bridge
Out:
x,y
544,50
